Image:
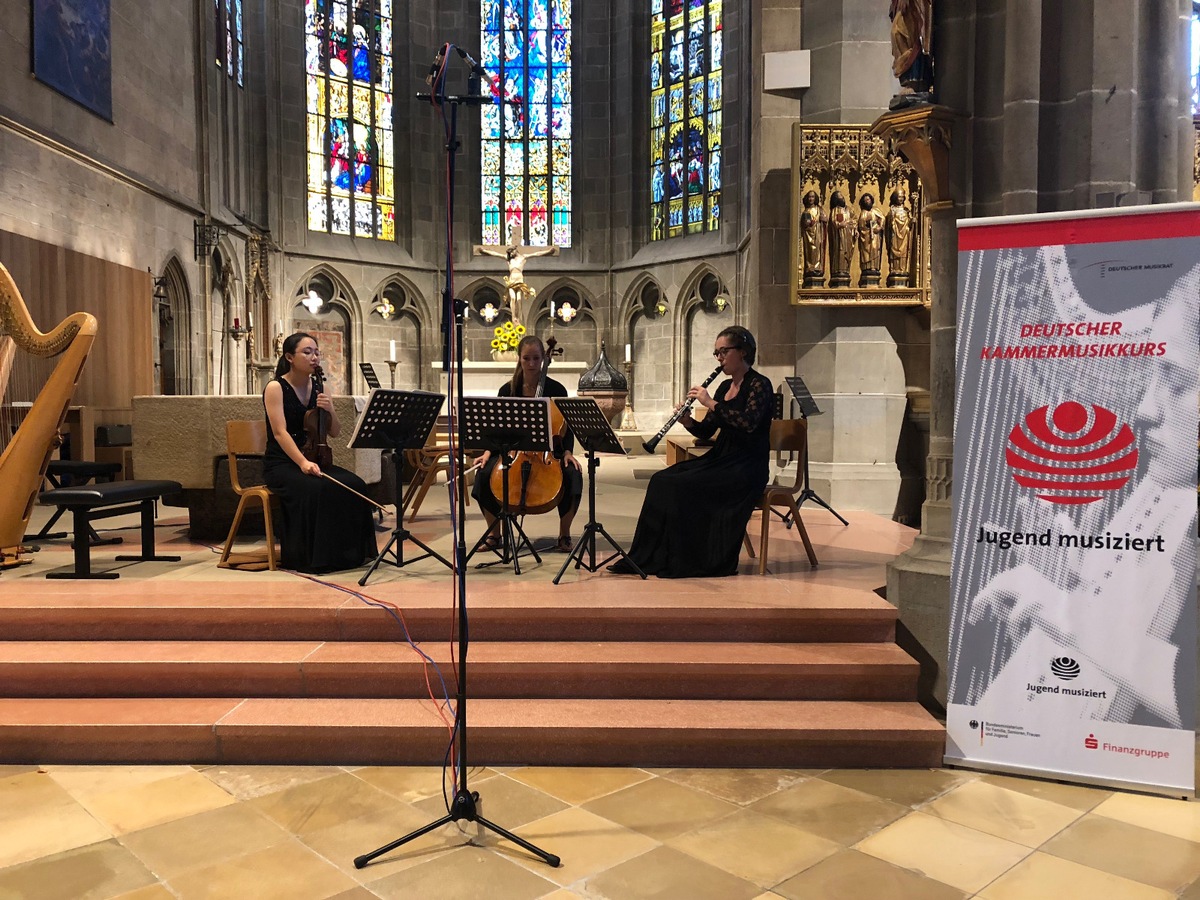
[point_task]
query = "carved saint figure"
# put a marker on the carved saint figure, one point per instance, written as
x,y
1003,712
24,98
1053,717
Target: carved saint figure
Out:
x,y
898,230
516,255
912,35
842,227
813,223
870,241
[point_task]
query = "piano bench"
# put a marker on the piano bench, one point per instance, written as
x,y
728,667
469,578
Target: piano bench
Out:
x,y
101,501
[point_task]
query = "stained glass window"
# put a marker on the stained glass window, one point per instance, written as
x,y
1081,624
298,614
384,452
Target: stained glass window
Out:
x,y
351,161
526,149
685,117
1195,48
231,44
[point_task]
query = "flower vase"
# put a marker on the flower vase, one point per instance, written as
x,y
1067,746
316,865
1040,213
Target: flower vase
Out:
x,y
504,355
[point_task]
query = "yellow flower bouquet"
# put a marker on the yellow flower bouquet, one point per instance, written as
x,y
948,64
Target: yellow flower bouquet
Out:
x,y
507,336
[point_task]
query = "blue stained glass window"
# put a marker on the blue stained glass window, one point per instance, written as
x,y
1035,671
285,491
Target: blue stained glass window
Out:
x,y
685,117
231,43
351,166
526,148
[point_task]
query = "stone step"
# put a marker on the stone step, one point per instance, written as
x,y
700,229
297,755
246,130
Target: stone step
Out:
x,y
513,669
660,733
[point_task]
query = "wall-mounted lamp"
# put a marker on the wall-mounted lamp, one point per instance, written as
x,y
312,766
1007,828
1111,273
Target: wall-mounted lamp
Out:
x,y
720,302
661,309
313,302
385,308
204,237
237,332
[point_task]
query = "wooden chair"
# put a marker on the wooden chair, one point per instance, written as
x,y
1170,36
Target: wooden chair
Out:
x,y
248,438
787,436
427,463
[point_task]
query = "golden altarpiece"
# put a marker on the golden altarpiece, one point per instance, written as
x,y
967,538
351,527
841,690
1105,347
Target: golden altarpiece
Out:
x,y
859,235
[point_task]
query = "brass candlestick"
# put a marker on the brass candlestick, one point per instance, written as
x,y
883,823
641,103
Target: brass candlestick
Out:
x,y
627,421
392,363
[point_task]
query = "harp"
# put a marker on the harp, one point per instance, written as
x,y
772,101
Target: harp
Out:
x,y
24,460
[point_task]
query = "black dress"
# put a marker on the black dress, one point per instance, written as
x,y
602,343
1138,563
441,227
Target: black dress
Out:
x,y
696,511
325,527
572,477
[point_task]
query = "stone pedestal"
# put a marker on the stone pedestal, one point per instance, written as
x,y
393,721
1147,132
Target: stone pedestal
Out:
x,y
857,379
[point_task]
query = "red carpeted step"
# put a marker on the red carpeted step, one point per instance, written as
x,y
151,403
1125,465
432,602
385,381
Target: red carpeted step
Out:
x,y
505,669
502,732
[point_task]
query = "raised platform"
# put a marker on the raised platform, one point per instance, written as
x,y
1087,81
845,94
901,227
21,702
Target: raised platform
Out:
x,y
188,663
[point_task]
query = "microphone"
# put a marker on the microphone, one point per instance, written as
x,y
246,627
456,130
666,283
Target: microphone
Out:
x,y
436,65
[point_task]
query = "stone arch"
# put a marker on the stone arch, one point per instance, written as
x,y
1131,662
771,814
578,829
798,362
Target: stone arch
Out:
x,y
336,323
398,317
699,317
174,309
227,305
580,337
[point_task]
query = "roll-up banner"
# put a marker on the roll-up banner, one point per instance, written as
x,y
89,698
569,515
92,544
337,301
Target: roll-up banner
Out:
x,y
1073,576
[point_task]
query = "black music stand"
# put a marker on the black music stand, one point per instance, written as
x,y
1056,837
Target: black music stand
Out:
x,y
397,421
369,375
808,409
595,435
503,425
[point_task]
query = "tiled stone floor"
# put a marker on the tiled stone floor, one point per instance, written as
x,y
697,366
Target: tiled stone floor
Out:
x,y
158,832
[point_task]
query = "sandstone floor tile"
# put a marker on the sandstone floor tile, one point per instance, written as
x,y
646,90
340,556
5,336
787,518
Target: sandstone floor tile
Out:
x,y
944,851
1175,817
83,781
504,801
39,818
760,849
660,809
1077,796
1139,854
468,873
322,804
1043,877
414,783
153,892
851,875
908,787
248,782
95,872
585,842
578,784
830,811
150,803
740,786
1006,814
287,871
205,839
666,874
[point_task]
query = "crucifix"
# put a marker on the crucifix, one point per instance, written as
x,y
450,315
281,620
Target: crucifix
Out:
x,y
516,255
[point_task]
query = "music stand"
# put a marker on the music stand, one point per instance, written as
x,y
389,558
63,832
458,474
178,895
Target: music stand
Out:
x,y
502,425
808,409
397,421
368,372
595,435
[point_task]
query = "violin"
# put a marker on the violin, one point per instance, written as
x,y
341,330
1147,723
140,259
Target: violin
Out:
x,y
316,427
535,480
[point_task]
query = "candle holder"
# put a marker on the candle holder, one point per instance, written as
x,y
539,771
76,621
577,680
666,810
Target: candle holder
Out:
x,y
628,423
237,332
392,363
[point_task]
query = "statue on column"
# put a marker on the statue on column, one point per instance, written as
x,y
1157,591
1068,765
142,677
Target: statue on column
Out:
x,y
870,241
842,230
898,231
813,223
516,255
912,41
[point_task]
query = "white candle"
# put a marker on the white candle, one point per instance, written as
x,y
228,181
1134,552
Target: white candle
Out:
x,y
393,349
552,309
628,353
279,326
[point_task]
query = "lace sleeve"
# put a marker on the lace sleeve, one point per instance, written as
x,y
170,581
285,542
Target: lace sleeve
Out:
x,y
760,404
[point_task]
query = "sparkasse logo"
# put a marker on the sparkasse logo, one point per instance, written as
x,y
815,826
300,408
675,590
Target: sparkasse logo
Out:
x,y
1091,743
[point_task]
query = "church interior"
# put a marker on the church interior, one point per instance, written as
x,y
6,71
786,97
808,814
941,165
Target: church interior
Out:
x,y
185,185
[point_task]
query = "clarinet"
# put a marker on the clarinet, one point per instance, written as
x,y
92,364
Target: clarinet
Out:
x,y
653,442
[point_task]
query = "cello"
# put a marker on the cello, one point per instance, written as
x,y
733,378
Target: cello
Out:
x,y
316,427
535,479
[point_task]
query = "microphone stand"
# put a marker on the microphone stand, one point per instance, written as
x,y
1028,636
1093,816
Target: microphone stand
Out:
x,y
464,806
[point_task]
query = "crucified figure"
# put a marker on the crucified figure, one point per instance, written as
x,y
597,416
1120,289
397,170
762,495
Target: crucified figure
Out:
x,y
516,255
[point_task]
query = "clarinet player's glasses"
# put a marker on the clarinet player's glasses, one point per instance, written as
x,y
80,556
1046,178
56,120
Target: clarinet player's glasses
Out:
x,y
720,352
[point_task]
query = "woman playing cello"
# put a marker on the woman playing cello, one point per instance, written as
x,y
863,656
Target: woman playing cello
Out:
x,y
325,527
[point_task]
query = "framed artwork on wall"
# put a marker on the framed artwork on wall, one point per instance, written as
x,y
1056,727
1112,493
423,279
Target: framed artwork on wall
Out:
x,y
72,51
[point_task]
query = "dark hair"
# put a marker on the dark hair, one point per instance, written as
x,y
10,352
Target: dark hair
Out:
x,y
518,380
745,341
290,343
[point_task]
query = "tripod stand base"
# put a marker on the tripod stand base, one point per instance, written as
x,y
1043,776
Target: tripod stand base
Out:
x,y
511,538
809,494
399,536
463,808
587,545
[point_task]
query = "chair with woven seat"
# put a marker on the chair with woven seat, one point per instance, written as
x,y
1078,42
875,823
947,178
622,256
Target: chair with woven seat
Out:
x,y
787,436
248,438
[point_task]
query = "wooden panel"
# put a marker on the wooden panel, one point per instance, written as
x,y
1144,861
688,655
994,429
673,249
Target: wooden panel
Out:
x,y
56,282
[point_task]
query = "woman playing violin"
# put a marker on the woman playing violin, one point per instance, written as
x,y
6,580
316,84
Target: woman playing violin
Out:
x,y
325,527
531,357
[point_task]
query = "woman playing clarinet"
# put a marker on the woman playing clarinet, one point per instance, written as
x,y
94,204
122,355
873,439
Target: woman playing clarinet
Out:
x,y
696,512
325,528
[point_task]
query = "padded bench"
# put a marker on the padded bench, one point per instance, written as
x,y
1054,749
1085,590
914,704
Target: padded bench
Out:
x,y
101,501
74,473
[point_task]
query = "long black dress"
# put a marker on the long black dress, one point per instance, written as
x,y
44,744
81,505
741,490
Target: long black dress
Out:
x,y
696,511
325,527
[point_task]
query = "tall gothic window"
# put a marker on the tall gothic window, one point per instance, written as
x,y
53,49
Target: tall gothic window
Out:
x,y
526,148
231,44
351,163
685,117
1195,47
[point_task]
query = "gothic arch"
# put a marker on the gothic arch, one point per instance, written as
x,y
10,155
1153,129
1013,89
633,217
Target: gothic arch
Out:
x,y
175,325
416,304
338,320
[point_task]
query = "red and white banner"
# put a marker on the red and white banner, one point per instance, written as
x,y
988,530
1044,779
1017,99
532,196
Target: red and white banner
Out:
x,y
1073,574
